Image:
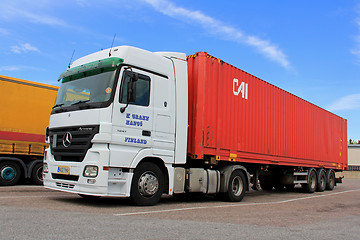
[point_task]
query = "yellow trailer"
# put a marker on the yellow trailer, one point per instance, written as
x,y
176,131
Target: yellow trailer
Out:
x,y
24,115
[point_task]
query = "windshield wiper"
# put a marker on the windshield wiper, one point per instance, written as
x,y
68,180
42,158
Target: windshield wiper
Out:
x,y
57,105
81,101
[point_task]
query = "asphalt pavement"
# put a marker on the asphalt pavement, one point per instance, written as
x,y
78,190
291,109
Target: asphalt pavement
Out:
x,y
32,212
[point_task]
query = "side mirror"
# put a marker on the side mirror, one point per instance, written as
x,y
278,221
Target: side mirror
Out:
x,y
131,88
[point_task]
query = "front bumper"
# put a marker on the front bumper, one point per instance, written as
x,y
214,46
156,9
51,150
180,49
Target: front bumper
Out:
x,y
110,181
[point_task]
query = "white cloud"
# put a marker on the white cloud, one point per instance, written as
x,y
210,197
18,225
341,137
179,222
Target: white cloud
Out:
x,y
349,102
215,26
82,3
24,48
34,13
39,18
356,50
18,68
9,68
4,31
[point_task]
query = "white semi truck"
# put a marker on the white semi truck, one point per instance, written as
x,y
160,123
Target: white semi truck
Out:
x,y
133,123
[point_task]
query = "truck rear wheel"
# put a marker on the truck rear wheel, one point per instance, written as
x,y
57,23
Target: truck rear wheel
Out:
x,y
37,174
321,184
236,188
310,187
330,180
147,185
10,173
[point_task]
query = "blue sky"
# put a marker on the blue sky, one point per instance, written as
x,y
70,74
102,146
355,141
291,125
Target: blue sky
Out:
x,y
309,48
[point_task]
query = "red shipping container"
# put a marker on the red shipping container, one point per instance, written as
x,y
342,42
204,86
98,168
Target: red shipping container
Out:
x,y
235,116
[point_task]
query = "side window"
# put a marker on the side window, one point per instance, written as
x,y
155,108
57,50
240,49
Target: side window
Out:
x,y
142,89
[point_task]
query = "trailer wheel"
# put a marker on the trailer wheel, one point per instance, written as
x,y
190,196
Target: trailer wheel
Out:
x,y
10,173
37,174
330,180
310,187
147,185
321,184
236,188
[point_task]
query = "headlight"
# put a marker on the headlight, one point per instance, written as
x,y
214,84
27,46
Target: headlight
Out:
x,y
45,168
90,171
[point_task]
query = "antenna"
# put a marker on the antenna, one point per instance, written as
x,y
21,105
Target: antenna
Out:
x,y
71,58
112,45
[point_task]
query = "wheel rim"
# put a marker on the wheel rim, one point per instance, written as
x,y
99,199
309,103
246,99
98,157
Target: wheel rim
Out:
x,y
237,186
323,180
148,184
8,173
313,181
332,179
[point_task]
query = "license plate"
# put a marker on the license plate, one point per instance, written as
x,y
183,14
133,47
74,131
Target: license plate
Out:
x,y
63,170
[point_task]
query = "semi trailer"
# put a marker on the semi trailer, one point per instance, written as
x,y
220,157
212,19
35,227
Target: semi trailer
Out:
x,y
25,111
132,123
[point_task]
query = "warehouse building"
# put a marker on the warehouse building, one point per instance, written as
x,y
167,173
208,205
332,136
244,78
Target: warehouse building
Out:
x,y
354,157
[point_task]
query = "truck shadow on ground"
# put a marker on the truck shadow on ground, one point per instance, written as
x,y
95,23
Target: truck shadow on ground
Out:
x,y
193,198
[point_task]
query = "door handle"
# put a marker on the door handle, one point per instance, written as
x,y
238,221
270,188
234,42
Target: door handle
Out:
x,y
146,133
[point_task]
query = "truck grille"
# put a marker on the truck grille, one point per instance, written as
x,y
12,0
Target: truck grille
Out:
x,y
71,144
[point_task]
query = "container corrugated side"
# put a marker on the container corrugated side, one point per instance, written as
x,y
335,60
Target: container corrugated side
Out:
x,y
262,124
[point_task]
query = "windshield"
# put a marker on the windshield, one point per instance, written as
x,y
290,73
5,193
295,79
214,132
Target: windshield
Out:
x,y
92,89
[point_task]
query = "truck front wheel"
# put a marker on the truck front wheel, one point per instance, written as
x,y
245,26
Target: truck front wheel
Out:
x,y
147,185
236,189
10,173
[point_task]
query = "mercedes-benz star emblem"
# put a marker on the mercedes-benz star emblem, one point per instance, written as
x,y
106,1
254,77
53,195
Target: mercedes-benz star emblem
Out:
x,y
67,139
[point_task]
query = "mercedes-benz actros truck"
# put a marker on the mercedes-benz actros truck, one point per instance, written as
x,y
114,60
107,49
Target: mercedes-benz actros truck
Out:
x,y
132,123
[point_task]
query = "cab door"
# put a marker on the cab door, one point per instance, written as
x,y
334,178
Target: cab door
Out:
x,y
132,123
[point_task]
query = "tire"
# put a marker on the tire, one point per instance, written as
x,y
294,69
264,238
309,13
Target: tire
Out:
x,y
321,181
330,180
236,187
10,173
147,185
311,186
266,186
37,174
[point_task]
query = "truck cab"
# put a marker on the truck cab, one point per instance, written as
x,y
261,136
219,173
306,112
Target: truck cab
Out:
x,y
117,111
